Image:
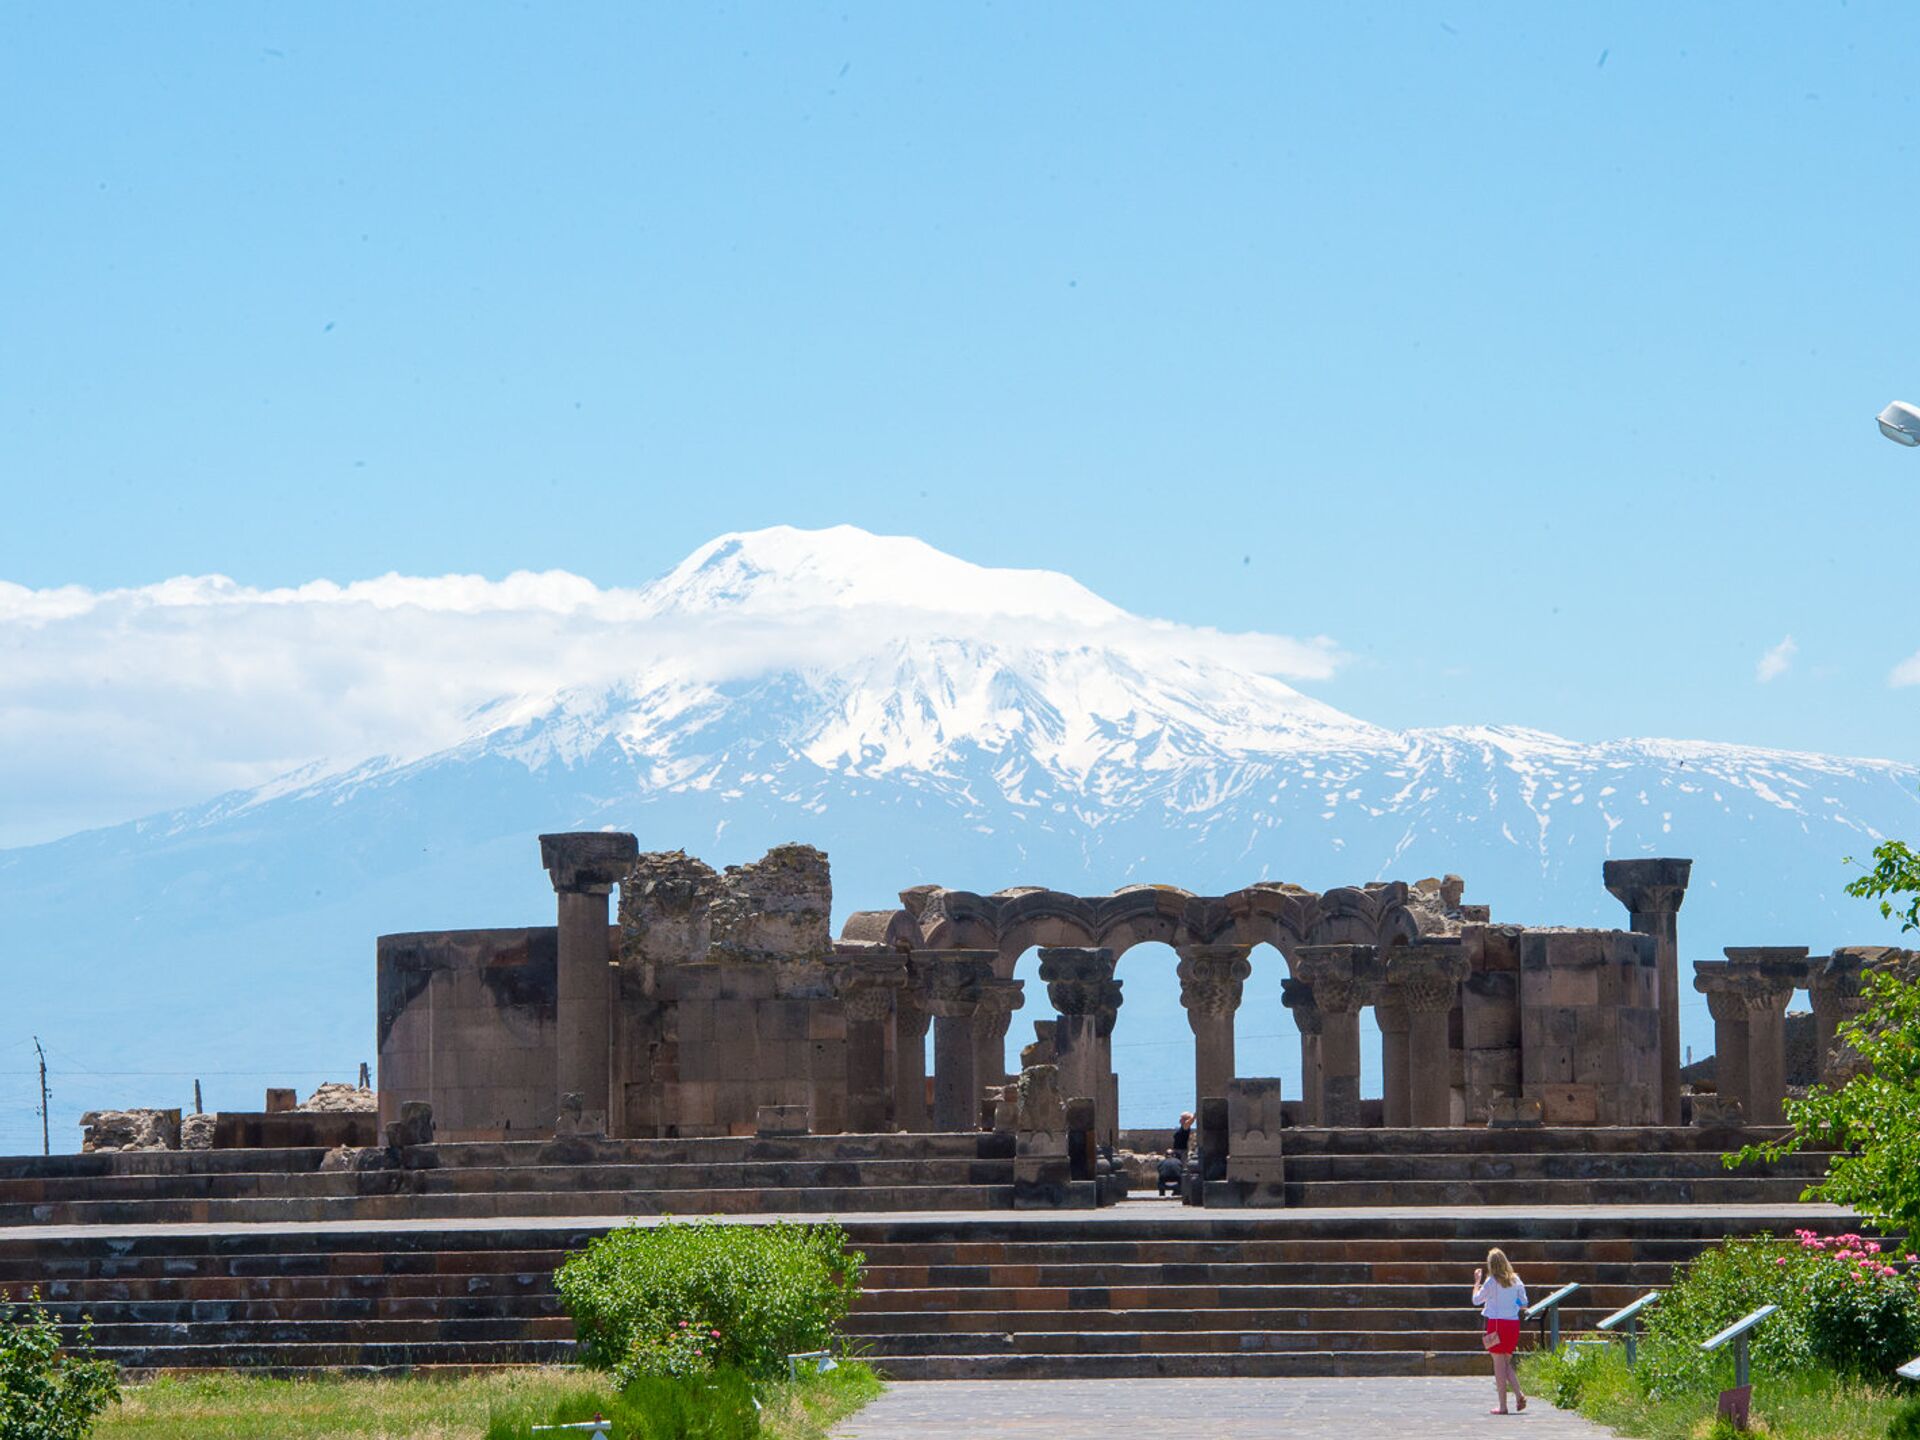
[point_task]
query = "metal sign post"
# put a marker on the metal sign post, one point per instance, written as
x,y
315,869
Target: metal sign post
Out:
x,y
1550,1307
1737,1404
1629,1318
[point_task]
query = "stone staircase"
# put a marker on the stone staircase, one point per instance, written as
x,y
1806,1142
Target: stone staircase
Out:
x,y
522,1179
1639,1165
541,1179
1147,1288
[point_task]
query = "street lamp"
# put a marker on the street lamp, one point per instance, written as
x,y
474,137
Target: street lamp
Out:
x,y
1901,421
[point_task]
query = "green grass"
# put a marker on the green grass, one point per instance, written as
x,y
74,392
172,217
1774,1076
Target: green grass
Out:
x,y
238,1408
1812,1406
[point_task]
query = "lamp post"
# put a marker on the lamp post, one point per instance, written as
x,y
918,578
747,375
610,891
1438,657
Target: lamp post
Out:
x,y
1900,422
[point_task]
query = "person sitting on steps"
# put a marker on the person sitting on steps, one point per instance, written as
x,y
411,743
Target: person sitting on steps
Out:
x,y
1176,1161
1501,1297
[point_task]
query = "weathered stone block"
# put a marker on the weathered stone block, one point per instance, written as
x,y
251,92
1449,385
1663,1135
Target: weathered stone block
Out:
x,y
777,1120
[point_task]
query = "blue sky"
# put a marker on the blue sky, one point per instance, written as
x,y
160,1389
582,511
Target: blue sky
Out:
x,y
1529,353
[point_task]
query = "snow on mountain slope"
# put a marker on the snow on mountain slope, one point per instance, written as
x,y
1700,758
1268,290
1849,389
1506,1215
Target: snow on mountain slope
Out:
x,y
924,720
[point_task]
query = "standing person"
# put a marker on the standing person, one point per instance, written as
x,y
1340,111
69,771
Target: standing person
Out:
x,y
1176,1160
1501,1297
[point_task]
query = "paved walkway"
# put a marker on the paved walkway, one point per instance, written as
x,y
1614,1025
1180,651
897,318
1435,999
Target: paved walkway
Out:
x,y
1386,1409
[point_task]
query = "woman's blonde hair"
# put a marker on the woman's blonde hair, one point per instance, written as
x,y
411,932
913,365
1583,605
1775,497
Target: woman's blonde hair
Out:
x,y
1500,1267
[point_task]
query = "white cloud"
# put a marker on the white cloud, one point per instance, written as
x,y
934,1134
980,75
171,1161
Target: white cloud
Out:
x,y
1776,662
1907,672
116,703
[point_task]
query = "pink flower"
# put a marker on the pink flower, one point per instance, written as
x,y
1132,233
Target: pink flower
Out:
x,y
699,1352
1873,1247
1859,1278
1781,1261
1887,1272
683,1324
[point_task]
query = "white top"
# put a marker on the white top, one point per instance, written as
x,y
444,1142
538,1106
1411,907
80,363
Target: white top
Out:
x,y
1501,1302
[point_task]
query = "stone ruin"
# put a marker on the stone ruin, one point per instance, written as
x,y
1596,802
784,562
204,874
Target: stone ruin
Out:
x,y
717,1002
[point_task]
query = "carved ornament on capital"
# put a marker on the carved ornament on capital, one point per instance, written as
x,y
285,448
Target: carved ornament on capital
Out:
x,y
1079,979
867,984
1425,978
1648,887
1297,996
1345,978
588,862
956,979
998,999
1212,978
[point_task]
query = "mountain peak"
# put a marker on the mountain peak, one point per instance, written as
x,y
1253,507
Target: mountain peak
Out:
x,y
782,569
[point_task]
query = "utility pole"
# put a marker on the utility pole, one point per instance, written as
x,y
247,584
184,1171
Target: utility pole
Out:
x,y
46,1141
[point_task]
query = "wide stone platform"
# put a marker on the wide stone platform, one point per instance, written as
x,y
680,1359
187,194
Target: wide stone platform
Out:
x,y
853,1173
1142,1289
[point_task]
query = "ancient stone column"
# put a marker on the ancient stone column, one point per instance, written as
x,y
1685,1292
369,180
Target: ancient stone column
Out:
x,y
1769,974
1652,891
866,986
1396,1099
998,1000
1727,1003
1344,979
1107,1120
1211,979
1080,985
1298,998
1833,984
910,1020
1425,978
958,976
584,867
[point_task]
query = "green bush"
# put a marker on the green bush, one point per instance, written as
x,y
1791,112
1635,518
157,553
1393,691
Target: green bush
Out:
x,y
676,1300
45,1393
1717,1288
1905,1424
1844,1306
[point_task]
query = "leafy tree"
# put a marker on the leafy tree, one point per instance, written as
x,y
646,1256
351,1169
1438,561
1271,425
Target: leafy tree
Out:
x,y
45,1393
1873,1120
1896,872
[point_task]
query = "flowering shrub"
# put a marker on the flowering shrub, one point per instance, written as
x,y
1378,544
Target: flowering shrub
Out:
x,y
1863,1305
683,1350
1845,1303
678,1299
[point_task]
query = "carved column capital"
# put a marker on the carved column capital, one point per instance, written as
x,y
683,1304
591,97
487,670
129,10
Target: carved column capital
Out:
x,y
1297,996
953,980
1425,977
1648,887
997,1000
866,985
1767,975
1345,978
588,862
1077,978
1212,977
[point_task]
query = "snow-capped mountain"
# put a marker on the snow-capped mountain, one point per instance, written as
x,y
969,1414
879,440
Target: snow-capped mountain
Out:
x,y
923,719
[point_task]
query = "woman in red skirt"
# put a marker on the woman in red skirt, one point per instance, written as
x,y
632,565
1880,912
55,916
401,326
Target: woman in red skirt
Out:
x,y
1501,1297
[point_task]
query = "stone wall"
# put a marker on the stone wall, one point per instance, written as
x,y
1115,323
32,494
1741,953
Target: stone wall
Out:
x,y
466,1023
1590,1026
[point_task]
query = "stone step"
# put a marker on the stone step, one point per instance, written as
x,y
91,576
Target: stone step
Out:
x,y
285,1357
1722,1190
512,1154
1456,1337
1566,1139
1187,1297
527,1329
1093,1272
881,1327
680,1179
1548,1165
504,1204
293,1287
529,1306
1257,1364
1309,1251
